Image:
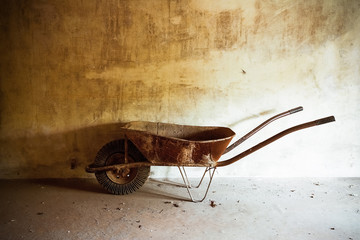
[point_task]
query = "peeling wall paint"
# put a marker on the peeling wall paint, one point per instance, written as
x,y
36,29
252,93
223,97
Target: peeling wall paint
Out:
x,y
72,72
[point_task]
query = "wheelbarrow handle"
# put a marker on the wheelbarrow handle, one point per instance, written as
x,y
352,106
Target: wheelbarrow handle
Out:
x,y
274,138
258,128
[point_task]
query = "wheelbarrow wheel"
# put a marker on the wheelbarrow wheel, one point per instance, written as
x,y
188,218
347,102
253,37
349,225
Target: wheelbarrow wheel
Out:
x,y
127,180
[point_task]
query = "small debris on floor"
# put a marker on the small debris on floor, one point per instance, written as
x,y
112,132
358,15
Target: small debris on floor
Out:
x,y
247,213
212,203
176,205
317,184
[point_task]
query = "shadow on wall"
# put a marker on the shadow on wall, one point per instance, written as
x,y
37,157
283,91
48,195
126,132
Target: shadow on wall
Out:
x,y
61,155
64,155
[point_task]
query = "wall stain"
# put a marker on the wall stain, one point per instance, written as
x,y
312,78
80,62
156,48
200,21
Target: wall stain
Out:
x,y
225,38
136,35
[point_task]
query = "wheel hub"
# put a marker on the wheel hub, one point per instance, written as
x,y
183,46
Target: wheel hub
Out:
x,y
120,176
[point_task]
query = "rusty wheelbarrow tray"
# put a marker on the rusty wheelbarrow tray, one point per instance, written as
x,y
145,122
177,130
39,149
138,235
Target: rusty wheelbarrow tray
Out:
x,y
122,166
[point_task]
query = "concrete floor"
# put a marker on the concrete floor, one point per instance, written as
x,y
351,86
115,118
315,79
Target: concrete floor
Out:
x,y
236,208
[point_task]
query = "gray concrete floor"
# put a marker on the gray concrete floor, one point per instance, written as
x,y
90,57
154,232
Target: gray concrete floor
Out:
x,y
236,208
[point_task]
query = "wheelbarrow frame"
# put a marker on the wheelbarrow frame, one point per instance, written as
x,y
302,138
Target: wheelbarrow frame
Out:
x,y
141,140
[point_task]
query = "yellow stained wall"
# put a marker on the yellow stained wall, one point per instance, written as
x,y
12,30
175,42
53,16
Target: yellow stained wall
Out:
x,y
73,71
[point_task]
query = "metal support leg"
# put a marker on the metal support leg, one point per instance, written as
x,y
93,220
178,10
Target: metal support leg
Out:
x,y
186,181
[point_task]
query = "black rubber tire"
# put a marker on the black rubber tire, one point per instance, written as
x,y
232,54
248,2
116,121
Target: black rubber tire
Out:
x,y
115,183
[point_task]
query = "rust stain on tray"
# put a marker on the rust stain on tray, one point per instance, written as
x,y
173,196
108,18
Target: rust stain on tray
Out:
x,y
179,144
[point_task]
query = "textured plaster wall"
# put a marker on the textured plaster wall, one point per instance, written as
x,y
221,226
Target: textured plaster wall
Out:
x,y
73,71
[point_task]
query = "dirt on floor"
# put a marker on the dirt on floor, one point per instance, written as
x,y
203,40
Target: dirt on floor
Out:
x,y
235,208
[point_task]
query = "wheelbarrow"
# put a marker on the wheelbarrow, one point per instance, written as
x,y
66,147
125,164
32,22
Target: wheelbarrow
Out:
x,y
122,166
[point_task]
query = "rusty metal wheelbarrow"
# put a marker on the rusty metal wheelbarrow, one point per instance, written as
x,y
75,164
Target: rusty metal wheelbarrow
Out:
x,y
122,166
